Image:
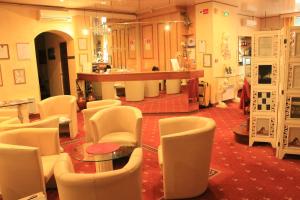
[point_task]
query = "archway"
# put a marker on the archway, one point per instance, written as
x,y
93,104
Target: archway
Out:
x,y
53,62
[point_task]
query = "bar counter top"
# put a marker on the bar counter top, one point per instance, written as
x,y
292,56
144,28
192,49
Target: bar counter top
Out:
x,y
134,76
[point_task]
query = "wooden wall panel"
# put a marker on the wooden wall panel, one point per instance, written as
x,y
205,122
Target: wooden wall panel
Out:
x,y
131,43
161,47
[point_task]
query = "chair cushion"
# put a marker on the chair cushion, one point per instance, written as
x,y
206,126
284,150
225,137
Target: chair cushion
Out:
x,y
160,156
122,138
48,163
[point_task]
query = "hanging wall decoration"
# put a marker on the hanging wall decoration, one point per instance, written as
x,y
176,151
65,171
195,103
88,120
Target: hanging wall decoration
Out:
x,y
4,51
19,76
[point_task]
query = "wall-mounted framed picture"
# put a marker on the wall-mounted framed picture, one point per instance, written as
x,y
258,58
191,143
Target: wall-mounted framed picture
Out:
x,y
82,44
1,80
4,51
23,51
147,39
19,76
207,60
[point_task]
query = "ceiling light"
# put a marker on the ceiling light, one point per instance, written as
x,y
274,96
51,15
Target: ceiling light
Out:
x,y
167,27
61,0
297,1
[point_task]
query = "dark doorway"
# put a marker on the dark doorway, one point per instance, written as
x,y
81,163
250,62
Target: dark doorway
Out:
x,y
41,57
65,67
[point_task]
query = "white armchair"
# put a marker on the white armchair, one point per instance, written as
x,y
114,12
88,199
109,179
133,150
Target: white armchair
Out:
x,y
184,155
108,90
119,124
124,183
134,90
51,122
27,159
61,106
92,108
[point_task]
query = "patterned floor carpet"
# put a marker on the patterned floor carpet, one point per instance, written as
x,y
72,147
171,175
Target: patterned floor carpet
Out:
x,y
244,173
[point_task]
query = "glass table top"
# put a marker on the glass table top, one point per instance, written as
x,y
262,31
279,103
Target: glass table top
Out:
x,y
79,153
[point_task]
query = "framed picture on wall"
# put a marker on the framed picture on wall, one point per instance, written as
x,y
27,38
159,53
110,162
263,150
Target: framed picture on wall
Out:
x,y
19,76
23,51
206,60
1,80
83,59
147,39
82,44
4,51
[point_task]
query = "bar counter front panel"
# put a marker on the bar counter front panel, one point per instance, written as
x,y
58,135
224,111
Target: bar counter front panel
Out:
x,y
165,103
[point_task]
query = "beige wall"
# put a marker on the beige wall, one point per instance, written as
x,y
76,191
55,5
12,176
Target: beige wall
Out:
x,y
20,24
218,30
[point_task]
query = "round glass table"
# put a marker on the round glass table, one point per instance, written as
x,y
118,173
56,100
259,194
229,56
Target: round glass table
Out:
x,y
103,161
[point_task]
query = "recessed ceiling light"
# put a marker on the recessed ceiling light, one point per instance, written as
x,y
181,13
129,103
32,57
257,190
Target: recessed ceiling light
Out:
x,y
61,0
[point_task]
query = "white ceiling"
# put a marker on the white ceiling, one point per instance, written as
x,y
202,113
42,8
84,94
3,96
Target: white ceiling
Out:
x,y
250,7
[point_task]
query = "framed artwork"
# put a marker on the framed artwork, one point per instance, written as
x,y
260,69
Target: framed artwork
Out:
x,y
292,107
19,76
23,51
131,43
262,127
82,43
147,39
206,60
4,51
51,54
263,101
294,136
1,80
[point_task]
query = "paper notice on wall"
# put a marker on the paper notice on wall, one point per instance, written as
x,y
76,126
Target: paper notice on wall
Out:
x,y
147,44
202,45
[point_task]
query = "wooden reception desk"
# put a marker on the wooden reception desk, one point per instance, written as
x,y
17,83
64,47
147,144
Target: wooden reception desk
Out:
x,y
134,76
163,104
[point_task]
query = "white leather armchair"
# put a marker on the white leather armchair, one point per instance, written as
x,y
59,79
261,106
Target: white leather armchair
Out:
x,y
92,108
184,155
124,183
27,159
61,106
134,90
152,88
173,86
51,122
9,112
119,124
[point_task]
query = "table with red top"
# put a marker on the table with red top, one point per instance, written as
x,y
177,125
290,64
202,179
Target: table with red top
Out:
x,y
102,154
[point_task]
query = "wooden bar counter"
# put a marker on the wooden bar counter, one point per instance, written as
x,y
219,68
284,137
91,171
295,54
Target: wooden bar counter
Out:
x,y
134,76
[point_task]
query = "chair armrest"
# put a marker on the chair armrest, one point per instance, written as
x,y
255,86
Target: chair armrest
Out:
x,y
46,139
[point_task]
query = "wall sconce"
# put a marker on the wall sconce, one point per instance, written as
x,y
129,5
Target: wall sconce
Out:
x,y
167,27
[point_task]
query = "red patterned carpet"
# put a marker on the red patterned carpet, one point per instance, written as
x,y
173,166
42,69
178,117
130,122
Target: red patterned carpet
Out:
x,y
246,173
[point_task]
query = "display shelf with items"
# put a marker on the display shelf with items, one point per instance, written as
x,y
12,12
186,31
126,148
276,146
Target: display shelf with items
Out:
x,y
244,51
289,128
265,66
